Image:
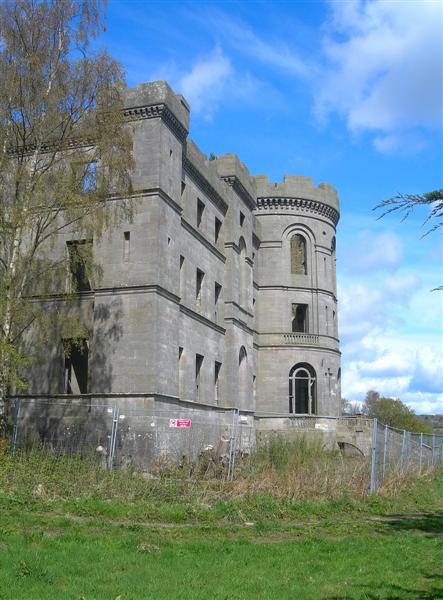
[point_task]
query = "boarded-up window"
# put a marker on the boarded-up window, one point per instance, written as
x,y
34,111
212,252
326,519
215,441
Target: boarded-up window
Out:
x,y
298,255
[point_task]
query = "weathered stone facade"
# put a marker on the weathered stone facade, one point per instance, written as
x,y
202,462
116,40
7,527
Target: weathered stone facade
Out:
x,y
220,291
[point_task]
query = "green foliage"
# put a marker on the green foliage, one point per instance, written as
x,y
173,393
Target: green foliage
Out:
x,y
407,203
64,149
392,411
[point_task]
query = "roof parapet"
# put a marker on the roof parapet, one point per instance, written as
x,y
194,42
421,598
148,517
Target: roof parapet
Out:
x,y
158,92
296,186
232,170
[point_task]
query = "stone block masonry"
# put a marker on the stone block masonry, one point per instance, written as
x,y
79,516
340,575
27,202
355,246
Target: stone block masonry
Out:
x,y
221,291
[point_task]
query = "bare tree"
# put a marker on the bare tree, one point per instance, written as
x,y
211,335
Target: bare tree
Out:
x,y
64,149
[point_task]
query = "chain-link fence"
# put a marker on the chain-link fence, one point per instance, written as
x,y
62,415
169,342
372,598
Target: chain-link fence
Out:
x,y
147,434
396,452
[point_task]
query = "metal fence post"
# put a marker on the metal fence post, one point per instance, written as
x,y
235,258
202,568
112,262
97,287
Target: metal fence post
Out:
x,y
421,450
403,446
15,426
232,444
113,437
433,449
385,447
373,484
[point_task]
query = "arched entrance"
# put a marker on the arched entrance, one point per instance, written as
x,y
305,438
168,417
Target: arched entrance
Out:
x,y
302,390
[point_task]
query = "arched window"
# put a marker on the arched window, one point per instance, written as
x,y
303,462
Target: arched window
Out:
x,y
302,390
298,254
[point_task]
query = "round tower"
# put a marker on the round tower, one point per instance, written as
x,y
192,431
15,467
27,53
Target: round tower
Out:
x,y
298,356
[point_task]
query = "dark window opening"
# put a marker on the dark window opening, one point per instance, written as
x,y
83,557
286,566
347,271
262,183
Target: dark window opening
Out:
x,y
198,366
183,188
300,318
80,254
76,366
217,229
217,368
298,255
302,390
200,210
242,219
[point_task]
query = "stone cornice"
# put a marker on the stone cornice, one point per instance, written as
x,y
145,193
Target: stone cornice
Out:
x,y
238,187
204,185
157,111
300,205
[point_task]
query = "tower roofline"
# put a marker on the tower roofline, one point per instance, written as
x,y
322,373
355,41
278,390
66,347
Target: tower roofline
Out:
x,y
296,186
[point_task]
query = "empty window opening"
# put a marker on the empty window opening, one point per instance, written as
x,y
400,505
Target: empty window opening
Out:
x,y
298,255
217,292
183,188
182,278
89,177
180,371
80,256
198,366
199,290
302,390
217,229
170,153
242,219
169,241
217,368
300,318
76,354
200,211
327,320
126,245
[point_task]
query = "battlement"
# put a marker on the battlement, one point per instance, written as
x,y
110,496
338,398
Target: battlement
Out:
x,y
230,166
296,186
158,93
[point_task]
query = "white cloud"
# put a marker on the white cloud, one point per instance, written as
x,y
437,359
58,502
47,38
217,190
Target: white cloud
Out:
x,y
384,68
204,85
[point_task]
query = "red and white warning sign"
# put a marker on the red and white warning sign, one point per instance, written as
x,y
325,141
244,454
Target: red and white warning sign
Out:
x,y
179,422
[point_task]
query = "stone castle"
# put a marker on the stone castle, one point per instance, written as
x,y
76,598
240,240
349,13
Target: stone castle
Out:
x,y
221,291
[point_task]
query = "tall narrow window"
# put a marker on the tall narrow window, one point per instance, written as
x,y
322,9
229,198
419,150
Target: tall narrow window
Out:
x,y
126,245
80,256
182,277
217,368
200,211
199,290
180,371
217,292
242,219
298,255
327,320
89,179
300,318
198,366
76,366
217,229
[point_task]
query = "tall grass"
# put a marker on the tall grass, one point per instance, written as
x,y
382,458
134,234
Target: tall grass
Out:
x,y
300,468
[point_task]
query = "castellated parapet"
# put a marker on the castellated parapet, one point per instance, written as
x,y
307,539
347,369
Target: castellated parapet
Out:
x,y
219,293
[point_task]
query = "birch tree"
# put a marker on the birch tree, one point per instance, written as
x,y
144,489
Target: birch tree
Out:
x,y
64,149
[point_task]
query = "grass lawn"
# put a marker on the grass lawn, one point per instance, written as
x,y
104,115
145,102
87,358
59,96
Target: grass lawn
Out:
x,y
62,546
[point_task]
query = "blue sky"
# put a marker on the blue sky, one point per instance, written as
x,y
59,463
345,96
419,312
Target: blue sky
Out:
x,y
345,92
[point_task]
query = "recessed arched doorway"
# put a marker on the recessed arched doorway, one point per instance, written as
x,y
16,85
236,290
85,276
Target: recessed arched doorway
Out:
x,y
302,390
